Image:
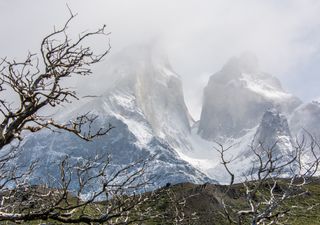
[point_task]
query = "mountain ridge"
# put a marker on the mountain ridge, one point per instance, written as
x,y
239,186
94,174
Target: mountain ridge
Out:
x,y
145,103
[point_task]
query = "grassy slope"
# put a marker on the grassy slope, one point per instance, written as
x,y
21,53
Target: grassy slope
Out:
x,y
205,203
202,205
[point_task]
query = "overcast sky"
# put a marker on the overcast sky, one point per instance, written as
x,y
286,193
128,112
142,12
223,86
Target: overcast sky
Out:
x,y
199,35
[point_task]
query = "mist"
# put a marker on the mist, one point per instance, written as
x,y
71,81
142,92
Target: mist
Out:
x,y
199,37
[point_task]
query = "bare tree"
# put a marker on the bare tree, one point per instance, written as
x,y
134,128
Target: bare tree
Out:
x,y
272,188
88,190
85,192
37,84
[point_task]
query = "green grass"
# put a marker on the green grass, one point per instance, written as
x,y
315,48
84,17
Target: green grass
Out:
x,y
205,204
202,206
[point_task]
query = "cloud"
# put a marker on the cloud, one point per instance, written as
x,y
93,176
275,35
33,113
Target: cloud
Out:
x,y
199,36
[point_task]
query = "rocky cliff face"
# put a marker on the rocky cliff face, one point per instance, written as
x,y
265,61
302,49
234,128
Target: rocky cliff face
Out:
x,y
143,100
145,104
236,98
146,74
271,136
274,133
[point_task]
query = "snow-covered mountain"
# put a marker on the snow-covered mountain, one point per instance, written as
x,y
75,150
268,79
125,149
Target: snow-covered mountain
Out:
x,y
236,98
143,99
272,133
144,102
243,108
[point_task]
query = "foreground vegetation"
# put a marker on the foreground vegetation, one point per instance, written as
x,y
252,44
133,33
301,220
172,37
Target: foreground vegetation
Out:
x,y
192,204
38,86
203,204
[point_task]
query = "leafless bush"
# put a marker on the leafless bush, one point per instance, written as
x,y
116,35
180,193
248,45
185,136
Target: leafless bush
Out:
x,y
85,192
37,84
34,86
273,182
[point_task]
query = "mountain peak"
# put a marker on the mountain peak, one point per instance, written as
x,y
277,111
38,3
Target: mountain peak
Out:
x,y
247,62
275,122
274,134
237,96
143,74
136,63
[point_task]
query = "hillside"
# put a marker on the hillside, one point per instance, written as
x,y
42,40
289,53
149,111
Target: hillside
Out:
x,y
202,205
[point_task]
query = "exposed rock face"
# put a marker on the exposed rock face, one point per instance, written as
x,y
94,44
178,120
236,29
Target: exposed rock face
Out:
x,y
271,135
274,134
145,104
143,99
236,98
157,90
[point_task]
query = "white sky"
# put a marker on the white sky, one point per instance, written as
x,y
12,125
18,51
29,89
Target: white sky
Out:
x,y
199,35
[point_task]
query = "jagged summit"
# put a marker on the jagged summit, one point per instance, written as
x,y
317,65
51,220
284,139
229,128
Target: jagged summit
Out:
x,y
123,68
143,98
274,121
145,104
246,63
237,96
274,132
148,78
271,134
